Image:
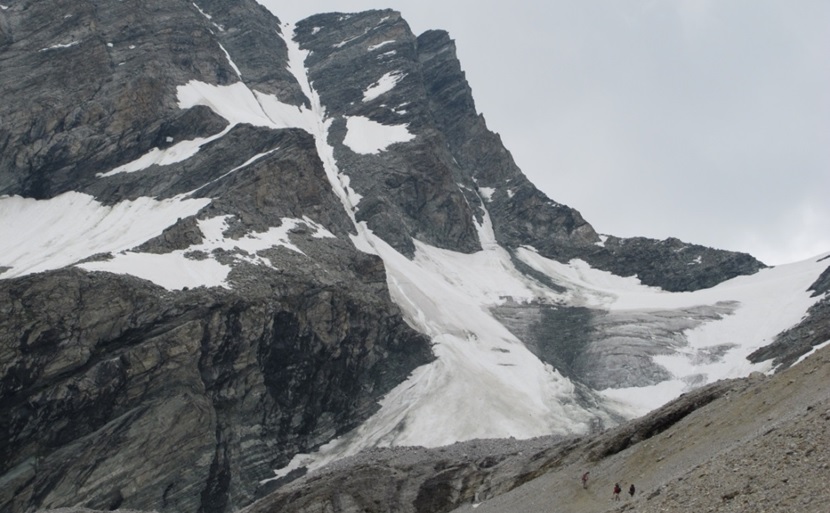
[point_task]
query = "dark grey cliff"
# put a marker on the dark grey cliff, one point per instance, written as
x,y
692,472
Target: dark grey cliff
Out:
x,y
413,191
98,83
432,188
115,392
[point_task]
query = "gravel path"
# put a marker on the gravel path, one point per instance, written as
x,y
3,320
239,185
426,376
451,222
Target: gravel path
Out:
x,y
765,448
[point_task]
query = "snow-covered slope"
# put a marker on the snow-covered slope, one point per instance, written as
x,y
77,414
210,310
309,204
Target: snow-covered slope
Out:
x,y
486,383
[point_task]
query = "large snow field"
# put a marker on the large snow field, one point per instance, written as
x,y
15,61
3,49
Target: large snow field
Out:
x,y
39,235
769,302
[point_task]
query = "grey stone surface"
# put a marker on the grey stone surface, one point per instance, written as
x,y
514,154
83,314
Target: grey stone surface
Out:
x,y
410,190
98,84
182,401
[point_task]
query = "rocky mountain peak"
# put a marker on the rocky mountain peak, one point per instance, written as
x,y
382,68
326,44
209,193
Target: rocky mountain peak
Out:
x,y
234,250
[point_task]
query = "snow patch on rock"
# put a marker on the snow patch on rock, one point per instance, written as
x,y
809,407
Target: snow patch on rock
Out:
x,y
366,137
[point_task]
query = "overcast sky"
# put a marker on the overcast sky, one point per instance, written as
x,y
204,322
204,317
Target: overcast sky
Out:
x,y
704,120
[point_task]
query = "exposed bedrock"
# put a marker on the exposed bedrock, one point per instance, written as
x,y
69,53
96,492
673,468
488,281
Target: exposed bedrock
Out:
x,y
118,393
523,215
99,84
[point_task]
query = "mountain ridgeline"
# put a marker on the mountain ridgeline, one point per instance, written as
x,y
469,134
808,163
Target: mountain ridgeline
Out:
x,y
118,392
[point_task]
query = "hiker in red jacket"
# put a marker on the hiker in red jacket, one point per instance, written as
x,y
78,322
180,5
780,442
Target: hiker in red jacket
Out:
x,y
617,491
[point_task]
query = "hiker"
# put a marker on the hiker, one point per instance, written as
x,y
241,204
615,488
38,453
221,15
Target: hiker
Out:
x,y
631,490
585,480
617,491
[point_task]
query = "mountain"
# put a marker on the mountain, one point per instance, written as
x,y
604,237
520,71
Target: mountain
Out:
x,y
236,250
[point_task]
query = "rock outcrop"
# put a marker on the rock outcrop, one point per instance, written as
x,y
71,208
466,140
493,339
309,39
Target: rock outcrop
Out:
x,y
115,392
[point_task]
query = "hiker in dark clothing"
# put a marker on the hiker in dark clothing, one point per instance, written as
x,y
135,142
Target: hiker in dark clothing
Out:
x,y
617,491
585,480
631,490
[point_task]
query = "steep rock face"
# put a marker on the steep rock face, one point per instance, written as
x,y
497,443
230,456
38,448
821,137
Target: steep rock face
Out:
x,y
520,212
248,32
99,82
127,394
523,215
413,190
431,188
181,400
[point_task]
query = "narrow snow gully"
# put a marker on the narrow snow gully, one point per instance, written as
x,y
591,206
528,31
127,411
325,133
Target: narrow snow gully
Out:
x,y
319,124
